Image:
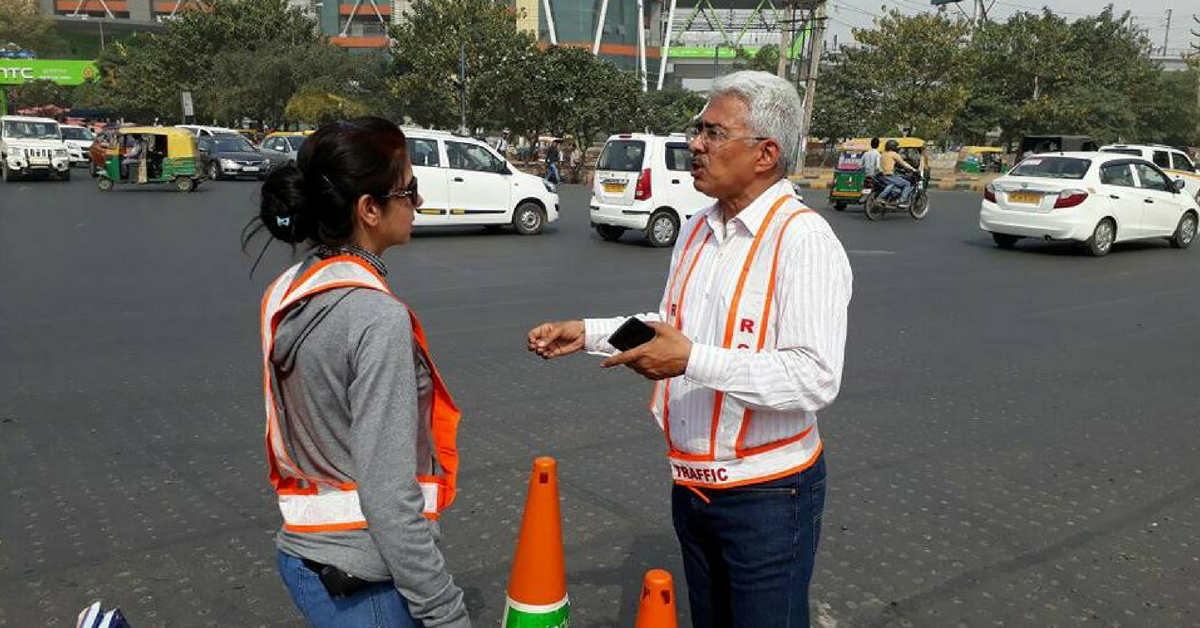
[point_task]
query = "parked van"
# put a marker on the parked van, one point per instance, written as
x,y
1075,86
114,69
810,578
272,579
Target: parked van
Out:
x,y
644,182
463,181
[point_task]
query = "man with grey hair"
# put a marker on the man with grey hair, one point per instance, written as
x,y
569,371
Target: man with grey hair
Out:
x,y
748,345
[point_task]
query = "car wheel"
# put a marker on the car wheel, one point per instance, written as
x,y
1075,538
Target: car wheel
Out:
x,y
919,207
1102,238
1185,232
92,170
65,175
611,233
528,219
1004,240
8,175
185,184
662,228
839,205
874,208
214,171
104,183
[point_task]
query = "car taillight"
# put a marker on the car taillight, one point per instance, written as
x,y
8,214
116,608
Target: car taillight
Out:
x,y
642,192
1070,198
989,193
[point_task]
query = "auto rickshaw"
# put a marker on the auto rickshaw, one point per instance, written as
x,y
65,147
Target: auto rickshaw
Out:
x,y
849,184
146,154
980,159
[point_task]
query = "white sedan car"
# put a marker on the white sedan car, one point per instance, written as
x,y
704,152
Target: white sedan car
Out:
x,y
1094,198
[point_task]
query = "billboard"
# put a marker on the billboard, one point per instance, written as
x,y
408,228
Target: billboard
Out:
x,y
18,71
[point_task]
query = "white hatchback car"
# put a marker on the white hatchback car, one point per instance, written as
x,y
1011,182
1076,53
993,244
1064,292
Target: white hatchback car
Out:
x,y
1172,161
1094,198
463,181
79,141
644,182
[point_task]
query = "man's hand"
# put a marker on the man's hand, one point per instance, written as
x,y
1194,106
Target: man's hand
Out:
x,y
665,356
553,340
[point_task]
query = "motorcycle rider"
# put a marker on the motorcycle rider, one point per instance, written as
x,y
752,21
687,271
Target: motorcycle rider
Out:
x,y
887,165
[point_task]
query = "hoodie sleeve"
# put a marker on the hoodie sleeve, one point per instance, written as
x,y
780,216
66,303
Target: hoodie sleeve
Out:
x,y
384,406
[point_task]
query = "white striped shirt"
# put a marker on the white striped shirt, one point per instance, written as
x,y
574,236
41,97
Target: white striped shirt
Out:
x,y
784,386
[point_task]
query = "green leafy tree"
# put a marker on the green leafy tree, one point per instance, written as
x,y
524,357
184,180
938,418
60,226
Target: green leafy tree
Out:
x,y
578,93
39,93
670,109
318,107
22,23
765,59
425,81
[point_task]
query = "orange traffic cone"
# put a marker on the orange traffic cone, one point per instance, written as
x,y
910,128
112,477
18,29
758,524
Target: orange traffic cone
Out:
x,y
657,607
537,587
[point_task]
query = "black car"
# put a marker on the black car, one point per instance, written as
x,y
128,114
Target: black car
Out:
x,y
231,156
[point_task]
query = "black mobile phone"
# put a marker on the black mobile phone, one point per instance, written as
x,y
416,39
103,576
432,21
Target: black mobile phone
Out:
x,y
631,333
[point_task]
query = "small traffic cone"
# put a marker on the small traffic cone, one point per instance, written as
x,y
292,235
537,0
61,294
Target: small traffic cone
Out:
x,y
657,607
537,587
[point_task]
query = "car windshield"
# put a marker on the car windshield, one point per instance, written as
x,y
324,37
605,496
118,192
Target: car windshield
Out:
x,y
295,141
1052,168
622,156
31,130
230,144
71,133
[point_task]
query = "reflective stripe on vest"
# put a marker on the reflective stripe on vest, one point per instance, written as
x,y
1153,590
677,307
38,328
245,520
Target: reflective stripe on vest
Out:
x,y
315,504
727,462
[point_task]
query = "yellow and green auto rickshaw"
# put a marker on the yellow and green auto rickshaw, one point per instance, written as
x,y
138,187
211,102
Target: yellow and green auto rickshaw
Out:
x,y
151,154
849,184
980,159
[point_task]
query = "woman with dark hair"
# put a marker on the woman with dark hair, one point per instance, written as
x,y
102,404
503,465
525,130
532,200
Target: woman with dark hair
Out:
x,y
360,427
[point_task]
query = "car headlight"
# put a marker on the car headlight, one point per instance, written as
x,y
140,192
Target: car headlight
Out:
x,y
16,151
60,152
228,163
550,187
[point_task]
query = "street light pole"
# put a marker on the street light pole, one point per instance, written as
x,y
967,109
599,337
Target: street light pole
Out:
x,y
815,44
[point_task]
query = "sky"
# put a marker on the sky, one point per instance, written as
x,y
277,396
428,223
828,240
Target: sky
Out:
x,y
1149,14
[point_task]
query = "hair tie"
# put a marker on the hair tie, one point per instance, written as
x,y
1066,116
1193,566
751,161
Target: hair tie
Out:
x,y
281,221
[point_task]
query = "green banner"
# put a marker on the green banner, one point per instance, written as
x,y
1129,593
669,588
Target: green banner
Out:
x,y
708,52
18,71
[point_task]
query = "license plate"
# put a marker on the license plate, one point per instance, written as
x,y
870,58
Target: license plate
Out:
x,y
614,188
1025,198
39,161
250,169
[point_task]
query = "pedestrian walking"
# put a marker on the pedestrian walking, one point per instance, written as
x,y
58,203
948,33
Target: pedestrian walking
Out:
x,y
502,144
747,347
553,158
361,429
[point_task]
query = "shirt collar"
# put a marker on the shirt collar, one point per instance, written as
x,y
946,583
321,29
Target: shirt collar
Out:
x,y
753,215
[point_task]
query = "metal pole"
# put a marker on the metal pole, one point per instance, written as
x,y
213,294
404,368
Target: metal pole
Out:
x,y
1167,34
666,46
641,26
101,34
785,43
550,23
600,26
815,44
716,55
462,86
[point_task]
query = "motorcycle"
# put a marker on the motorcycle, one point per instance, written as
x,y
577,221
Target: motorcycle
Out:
x,y
917,204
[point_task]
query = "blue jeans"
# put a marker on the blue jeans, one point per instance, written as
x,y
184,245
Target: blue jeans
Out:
x,y
552,174
748,553
376,606
896,181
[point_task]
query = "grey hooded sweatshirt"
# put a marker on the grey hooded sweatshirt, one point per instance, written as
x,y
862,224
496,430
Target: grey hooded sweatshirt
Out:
x,y
352,391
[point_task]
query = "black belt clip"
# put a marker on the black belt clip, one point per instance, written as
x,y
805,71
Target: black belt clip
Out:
x,y
337,582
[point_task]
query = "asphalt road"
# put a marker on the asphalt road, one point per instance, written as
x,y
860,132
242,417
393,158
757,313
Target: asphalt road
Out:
x,y
1015,443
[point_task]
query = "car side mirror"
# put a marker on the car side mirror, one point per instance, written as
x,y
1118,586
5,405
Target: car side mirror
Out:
x,y
1177,185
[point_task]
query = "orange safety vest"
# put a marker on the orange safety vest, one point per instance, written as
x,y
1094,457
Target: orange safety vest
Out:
x,y
314,504
728,462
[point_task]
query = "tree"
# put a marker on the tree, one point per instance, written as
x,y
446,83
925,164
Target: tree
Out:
x,y
425,77
22,23
670,109
765,59
39,93
318,107
911,73
576,92
242,59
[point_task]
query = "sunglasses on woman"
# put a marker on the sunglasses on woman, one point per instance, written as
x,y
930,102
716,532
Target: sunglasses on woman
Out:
x,y
409,191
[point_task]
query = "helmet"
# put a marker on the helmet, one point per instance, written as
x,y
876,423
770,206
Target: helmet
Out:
x,y
892,145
